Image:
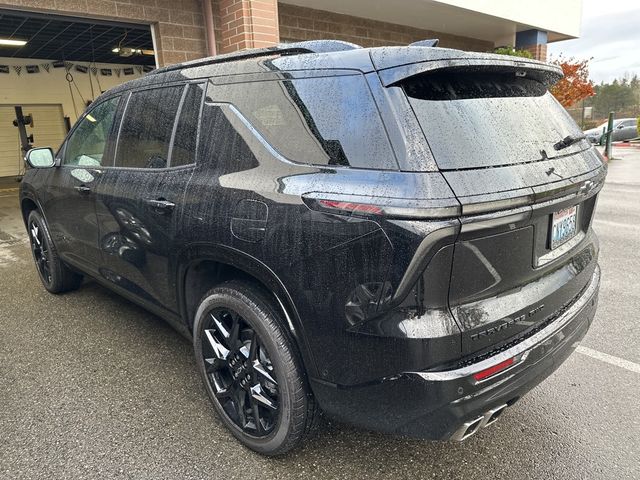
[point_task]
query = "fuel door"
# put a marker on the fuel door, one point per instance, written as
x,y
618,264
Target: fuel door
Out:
x,y
249,220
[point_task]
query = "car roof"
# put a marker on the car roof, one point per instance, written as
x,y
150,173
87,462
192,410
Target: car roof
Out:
x,y
332,55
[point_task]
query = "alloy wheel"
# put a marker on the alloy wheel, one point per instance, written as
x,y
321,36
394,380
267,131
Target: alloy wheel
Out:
x,y
240,372
40,251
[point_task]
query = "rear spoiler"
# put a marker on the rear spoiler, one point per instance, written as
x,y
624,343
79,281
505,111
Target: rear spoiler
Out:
x,y
464,62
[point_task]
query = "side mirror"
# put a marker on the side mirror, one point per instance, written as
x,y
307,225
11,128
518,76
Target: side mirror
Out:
x,y
40,158
620,127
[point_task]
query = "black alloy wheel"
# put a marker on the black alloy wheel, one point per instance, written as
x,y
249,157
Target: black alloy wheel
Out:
x,y
55,275
251,368
240,372
40,251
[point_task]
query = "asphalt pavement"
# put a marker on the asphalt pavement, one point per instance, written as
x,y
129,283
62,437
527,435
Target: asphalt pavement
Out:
x,y
91,386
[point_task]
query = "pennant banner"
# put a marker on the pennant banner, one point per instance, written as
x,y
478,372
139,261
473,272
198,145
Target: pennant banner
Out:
x,y
68,66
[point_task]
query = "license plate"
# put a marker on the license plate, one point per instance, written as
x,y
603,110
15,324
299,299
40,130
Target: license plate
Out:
x,y
563,226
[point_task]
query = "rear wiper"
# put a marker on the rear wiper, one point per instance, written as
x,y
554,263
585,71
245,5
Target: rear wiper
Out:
x,y
569,140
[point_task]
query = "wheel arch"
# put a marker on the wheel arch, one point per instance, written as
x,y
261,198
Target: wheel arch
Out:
x,y
200,267
27,205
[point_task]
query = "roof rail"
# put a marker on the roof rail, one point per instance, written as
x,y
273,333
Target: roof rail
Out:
x,y
426,43
312,46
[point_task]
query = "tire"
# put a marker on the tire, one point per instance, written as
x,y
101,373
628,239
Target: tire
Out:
x,y
229,319
54,274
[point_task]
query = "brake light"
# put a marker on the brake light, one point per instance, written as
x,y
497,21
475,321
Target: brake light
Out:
x,y
488,372
397,208
351,207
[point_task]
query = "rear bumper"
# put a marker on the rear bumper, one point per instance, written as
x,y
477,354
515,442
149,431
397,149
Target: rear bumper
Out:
x,y
436,404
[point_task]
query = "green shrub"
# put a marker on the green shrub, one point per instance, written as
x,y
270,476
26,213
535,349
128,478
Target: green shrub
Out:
x,y
513,52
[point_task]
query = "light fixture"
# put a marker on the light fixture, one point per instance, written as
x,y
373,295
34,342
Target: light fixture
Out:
x,y
12,42
128,51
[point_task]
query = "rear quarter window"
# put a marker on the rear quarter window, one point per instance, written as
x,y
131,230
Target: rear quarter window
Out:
x,y
319,121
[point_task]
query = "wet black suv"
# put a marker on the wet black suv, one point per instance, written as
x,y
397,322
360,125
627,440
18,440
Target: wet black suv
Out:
x,y
399,237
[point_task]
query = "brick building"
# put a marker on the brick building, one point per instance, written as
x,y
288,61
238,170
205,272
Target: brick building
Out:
x,y
180,26
101,43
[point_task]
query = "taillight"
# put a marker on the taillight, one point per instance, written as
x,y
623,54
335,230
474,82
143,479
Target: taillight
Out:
x,y
357,205
351,207
494,369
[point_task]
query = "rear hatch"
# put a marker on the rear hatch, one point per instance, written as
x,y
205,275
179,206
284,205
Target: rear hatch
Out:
x,y
526,249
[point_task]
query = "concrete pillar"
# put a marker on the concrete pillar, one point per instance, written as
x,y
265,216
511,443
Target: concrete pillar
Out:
x,y
246,24
534,41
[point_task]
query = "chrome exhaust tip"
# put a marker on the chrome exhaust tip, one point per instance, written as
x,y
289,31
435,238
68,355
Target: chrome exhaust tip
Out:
x,y
469,428
492,415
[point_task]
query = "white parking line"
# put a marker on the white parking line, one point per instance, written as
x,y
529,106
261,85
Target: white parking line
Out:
x,y
605,357
615,224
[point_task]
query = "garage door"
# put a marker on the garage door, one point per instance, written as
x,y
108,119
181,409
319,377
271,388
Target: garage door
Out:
x,y
48,131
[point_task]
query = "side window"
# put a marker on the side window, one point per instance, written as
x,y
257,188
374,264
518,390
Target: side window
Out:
x,y
320,121
184,142
86,145
146,128
221,145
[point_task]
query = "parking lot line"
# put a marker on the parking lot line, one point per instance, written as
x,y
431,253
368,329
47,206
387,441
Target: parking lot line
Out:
x,y
615,224
605,357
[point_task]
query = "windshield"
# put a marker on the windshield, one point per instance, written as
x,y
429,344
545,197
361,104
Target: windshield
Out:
x,y
489,119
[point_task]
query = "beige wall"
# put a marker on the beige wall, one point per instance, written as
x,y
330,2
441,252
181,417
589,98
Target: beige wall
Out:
x,y
561,16
52,88
302,23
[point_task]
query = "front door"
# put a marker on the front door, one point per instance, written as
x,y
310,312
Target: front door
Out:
x,y
70,202
626,130
140,200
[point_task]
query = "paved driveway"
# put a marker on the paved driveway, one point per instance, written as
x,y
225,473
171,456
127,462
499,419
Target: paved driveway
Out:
x,y
93,386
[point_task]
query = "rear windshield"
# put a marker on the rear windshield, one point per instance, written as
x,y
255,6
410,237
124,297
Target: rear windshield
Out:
x,y
488,119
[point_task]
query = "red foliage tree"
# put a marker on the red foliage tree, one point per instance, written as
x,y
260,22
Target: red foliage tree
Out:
x,y
575,85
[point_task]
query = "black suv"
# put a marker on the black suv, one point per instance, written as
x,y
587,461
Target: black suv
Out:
x,y
399,237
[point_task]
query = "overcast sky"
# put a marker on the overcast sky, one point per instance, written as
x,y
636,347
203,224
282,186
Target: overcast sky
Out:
x,y
610,34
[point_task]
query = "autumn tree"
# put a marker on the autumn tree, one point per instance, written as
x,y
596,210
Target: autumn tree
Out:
x,y
575,85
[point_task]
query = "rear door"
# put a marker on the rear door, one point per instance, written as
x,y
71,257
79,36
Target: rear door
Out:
x,y
141,198
526,249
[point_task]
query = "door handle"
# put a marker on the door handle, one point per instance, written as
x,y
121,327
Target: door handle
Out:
x,y
161,205
83,189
